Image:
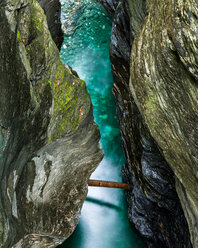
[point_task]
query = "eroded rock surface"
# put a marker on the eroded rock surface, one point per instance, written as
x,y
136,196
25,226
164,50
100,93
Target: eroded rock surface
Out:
x,y
49,141
155,208
52,10
110,5
164,84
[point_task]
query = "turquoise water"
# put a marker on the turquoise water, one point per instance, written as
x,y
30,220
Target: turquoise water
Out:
x,y
104,222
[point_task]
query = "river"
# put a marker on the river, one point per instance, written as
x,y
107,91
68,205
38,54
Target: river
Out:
x,y
104,222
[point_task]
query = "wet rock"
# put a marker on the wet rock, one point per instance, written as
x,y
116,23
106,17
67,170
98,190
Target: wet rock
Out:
x,y
52,11
110,5
49,141
154,206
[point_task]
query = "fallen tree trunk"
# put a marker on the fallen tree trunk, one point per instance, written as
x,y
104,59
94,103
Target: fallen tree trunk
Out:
x,y
100,183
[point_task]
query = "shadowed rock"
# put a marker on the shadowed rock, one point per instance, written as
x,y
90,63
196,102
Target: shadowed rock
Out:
x,y
110,5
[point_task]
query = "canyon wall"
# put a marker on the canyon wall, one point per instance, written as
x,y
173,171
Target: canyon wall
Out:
x,y
49,141
52,10
164,84
154,62
110,5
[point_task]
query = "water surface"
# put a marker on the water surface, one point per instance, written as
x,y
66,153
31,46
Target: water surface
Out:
x,y
104,222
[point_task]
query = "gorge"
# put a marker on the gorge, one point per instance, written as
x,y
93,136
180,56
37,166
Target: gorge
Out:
x,y
50,143
87,29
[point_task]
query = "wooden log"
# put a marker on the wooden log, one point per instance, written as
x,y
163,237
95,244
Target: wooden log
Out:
x,y
109,184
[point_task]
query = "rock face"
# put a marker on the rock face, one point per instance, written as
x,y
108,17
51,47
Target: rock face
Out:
x,y
110,5
52,10
157,112
49,141
164,84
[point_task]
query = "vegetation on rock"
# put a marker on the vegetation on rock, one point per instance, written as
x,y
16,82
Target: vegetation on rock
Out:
x,y
47,133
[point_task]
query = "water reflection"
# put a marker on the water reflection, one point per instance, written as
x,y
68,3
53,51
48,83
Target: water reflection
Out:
x,y
104,221
103,203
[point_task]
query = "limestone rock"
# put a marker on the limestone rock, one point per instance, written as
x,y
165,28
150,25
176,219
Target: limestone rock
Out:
x,y
49,141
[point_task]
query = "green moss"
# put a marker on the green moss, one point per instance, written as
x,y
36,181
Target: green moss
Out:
x,y
151,105
37,17
18,36
151,102
71,102
57,86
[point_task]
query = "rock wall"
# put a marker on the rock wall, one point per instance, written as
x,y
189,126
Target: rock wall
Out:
x,y
49,141
157,112
52,10
164,84
110,5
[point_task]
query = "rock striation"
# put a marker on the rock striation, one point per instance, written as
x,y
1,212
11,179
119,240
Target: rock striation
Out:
x,y
52,10
49,141
164,84
156,97
110,5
